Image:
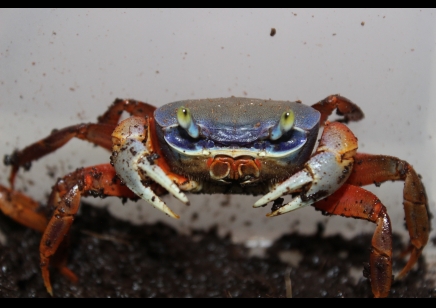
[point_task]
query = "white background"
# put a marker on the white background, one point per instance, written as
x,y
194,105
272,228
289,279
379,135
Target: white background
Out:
x,y
62,67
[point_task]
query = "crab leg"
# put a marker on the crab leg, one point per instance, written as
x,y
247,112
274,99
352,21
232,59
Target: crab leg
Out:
x,y
322,175
133,107
99,181
375,169
137,160
22,209
97,133
344,107
356,202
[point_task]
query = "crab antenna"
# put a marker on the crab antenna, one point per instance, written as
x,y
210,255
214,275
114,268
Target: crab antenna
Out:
x,y
185,119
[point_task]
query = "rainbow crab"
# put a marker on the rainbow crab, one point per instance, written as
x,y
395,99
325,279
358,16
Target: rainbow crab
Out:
x,y
229,146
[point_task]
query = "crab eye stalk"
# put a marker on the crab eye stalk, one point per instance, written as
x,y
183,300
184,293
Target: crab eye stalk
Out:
x,y
185,119
283,125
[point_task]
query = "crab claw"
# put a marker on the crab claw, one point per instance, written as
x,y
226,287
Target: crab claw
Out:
x,y
133,161
327,170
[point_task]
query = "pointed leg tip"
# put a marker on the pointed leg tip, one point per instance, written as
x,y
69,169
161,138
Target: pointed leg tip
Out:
x,y
49,290
174,215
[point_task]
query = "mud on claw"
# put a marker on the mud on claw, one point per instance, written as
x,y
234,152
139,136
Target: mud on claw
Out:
x,y
226,146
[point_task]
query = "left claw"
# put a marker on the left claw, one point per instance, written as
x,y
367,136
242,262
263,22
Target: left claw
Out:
x,y
134,163
322,175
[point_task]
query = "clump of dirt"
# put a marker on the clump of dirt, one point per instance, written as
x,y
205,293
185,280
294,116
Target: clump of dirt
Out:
x,y
113,258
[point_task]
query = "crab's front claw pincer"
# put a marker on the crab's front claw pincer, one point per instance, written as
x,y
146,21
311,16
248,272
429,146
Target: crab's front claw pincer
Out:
x,y
134,161
322,175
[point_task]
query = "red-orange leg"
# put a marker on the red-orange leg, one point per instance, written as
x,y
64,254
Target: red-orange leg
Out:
x,y
356,202
97,133
96,181
66,194
376,169
22,209
344,107
132,106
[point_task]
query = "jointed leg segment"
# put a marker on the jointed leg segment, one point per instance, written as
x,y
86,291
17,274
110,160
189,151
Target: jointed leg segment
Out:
x,y
369,169
22,209
65,198
97,133
352,201
356,202
344,107
99,181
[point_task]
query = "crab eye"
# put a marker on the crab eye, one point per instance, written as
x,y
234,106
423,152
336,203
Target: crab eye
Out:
x,y
283,125
186,121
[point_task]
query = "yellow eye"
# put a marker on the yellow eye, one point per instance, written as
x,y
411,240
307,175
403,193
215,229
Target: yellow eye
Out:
x,y
287,120
284,125
184,117
186,121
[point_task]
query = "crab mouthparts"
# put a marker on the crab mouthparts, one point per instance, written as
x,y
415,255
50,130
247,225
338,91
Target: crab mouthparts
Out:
x,y
226,169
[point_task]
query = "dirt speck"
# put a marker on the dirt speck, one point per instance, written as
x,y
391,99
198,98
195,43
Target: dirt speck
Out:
x,y
273,32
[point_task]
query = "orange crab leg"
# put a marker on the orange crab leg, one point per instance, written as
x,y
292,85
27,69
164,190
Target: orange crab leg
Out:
x,y
375,169
356,202
133,107
99,181
345,108
98,133
22,209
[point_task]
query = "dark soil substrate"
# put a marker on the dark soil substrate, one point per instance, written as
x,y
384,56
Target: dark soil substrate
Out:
x,y
113,258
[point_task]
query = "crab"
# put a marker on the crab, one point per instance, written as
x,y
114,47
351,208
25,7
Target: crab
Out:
x,y
227,146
